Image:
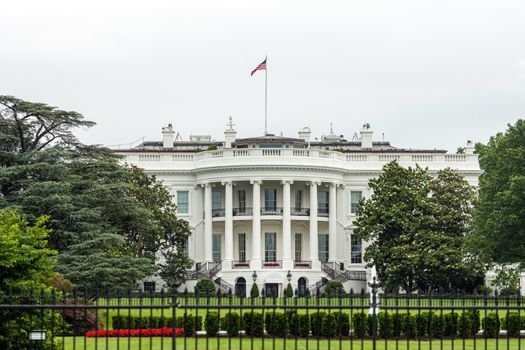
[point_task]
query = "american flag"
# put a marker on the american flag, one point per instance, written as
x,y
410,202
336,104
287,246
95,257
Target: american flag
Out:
x,y
262,66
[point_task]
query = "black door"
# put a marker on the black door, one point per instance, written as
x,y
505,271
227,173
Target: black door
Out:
x,y
240,288
272,290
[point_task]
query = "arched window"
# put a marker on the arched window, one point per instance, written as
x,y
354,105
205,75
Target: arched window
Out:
x,y
240,287
301,287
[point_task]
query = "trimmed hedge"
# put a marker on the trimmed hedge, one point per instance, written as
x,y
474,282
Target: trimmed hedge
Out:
x,y
359,325
231,323
276,324
212,324
491,326
190,323
253,323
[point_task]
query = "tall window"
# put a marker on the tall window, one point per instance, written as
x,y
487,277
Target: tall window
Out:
x,y
216,200
270,247
323,248
242,247
322,202
355,197
242,200
183,204
298,200
185,248
149,287
270,199
298,247
356,256
216,248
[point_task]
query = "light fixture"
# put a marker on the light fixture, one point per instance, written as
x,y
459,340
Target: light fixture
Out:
x,y
37,334
254,276
289,276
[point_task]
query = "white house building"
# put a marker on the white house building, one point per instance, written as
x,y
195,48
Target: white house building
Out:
x,y
278,206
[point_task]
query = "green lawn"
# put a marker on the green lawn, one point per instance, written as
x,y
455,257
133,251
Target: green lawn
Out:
x,y
236,343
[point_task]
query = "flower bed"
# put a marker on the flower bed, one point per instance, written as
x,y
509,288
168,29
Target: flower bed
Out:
x,y
142,332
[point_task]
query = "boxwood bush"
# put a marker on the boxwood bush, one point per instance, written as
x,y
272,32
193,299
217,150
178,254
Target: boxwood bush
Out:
x,y
491,326
276,324
359,324
343,323
316,323
253,323
231,323
212,324
303,325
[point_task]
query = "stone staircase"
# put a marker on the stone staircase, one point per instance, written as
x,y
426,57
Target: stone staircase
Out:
x,y
334,272
210,270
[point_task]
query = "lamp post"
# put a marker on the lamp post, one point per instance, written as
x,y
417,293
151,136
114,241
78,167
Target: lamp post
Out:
x,y
289,276
254,276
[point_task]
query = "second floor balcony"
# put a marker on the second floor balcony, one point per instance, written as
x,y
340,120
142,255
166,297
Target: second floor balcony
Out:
x,y
267,211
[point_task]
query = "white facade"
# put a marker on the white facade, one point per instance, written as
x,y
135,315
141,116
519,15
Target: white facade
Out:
x,y
274,204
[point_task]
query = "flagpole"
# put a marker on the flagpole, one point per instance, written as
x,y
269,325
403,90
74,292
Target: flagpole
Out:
x,y
266,97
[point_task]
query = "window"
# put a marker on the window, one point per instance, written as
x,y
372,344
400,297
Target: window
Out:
x,y
356,257
242,200
149,287
242,247
298,200
185,248
183,206
270,199
270,247
355,197
322,202
323,248
298,246
216,249
216,200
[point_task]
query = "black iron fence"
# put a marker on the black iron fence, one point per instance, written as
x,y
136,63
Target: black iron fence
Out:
x,y
64,320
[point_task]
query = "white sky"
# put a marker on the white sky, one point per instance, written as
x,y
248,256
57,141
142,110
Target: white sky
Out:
x,y
428,74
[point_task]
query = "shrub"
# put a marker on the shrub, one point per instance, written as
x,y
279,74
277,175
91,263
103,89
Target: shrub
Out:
x,y
204,287
289,291
253,324
484,290
450,328
291,317
436,325
397,324
370,324
329,326
316,323
490,326
188,323
359,325
409,326
422,323
465,324
212,324
475,321
333,289
343,323
231,323
276,324
303,325
384,325
254,292
512,324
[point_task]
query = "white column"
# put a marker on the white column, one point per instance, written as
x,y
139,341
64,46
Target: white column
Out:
x,y
332,223
287,226
228,225
208,256
255,262
314,243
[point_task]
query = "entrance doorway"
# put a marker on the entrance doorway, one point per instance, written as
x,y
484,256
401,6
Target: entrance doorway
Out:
x,y
301,287
271,290
240,287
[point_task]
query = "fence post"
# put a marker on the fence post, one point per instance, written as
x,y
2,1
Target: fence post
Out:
x,y
374,288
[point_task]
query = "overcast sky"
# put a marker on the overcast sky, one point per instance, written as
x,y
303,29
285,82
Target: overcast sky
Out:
x,y
427,74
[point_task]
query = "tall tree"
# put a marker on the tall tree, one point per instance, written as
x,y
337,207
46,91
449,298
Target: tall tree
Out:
x,y
416,225
499,218
89,196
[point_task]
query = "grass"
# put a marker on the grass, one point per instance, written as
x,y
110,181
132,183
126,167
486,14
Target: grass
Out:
x,y
72,343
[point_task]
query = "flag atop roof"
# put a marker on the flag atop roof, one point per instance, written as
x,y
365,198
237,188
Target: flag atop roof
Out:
x,y
262,66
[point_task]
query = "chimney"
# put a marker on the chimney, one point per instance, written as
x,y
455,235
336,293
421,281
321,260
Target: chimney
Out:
x,y
230,134
167,136
469,148
366,136
304,134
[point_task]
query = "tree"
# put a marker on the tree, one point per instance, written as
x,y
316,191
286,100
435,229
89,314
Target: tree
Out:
x,y
205,287
507,280
416,225
254,291
499,218
288,292
89,196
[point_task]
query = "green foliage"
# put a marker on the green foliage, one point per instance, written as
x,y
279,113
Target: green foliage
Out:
x,y
491,326
450,324
205,287
212,324
333,289
465,325
499,219
507,280
254,292
384,325
253,323
416,224
512,322
359,324
343,323
276,324
231,323
316,323
409,326
303,325
289,291
329,326
438,325
89,196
